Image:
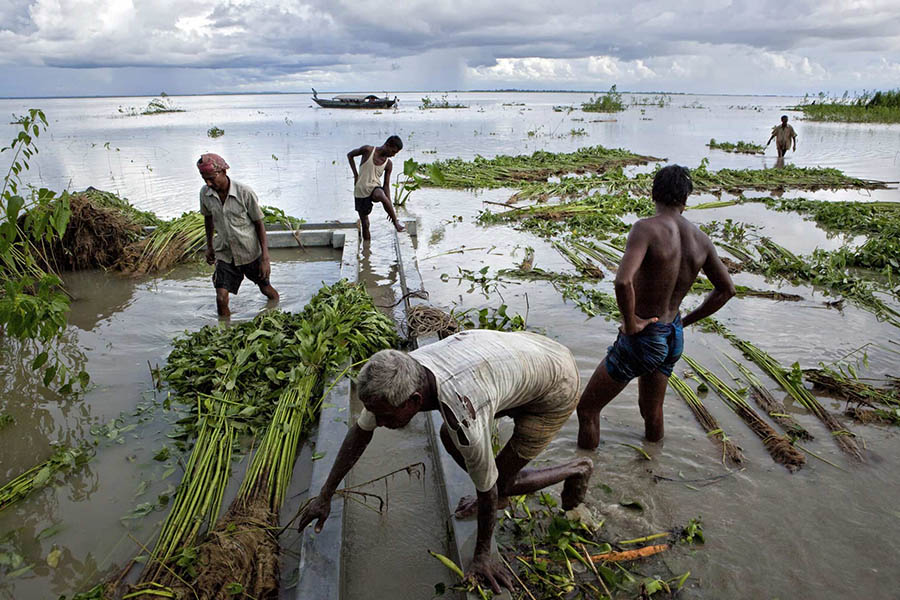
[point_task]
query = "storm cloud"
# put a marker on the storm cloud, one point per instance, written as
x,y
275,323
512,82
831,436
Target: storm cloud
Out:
x,y
87,47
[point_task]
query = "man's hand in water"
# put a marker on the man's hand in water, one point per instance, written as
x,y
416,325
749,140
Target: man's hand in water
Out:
x,y
485,569
639,325
318,508
265,267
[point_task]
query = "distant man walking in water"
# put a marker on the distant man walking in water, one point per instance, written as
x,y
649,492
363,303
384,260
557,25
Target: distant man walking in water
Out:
x,y
784,135
473,378
663,255
368,186
231,210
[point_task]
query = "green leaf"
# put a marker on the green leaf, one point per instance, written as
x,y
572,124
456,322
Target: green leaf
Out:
x,y
162,454
318,455
39,361
632,504
48,532
53,558
233,588
42,477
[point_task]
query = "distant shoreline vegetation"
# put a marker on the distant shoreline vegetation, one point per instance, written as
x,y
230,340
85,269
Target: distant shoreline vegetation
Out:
x,y
870,107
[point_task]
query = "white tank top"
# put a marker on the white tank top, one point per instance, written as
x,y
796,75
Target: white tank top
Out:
x,y
369,177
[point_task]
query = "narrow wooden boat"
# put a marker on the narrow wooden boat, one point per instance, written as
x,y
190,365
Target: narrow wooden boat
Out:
x,y
355,101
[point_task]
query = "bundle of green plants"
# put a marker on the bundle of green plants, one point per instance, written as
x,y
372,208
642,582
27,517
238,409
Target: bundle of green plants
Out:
x,y
791,381
864,218
583,265
179,239
773,407
611,101
730,452
739,147
849,387
506,171
40,475
589,300
215,132
340,325
598,216
778,446
869,107
161,105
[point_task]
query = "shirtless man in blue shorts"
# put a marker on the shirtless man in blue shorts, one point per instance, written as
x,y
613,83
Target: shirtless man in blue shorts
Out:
x,y
663,256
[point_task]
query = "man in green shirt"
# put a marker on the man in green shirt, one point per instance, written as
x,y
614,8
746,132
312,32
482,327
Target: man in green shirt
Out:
x,y
239,249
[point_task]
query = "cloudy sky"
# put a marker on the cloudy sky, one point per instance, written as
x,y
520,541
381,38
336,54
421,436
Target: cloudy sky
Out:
x,y
143,47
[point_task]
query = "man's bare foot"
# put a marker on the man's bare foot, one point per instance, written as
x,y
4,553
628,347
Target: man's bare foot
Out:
x,y
400,226
468,506
575,487
588,429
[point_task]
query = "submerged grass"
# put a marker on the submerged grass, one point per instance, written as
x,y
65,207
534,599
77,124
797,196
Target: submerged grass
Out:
x,y
773,407
511,171
40,475
791,381
778,446
730,452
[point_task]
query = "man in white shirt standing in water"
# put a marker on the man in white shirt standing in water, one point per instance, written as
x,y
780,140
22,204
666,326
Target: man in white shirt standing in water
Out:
x,y
369,187
473,378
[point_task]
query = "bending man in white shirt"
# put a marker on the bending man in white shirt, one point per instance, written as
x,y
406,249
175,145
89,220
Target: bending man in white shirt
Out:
x,y
472,378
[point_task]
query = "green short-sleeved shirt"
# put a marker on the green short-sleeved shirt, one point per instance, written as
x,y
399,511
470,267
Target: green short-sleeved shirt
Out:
x,y
235,240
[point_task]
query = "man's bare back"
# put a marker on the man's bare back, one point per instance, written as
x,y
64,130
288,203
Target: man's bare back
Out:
x,y
663,255
676,250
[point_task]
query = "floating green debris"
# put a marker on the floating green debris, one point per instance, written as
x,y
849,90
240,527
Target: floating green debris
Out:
x,y
38,476
848,387
428,103
779,447
730,452
510,171
737,147
792,383
826,270
733,181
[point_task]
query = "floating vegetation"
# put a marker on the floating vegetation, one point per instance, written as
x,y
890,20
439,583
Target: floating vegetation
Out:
x,y
660,100
550,553
737,147
826,270
506,171
733,181
428,103
792,383
611,101
215,132
40,475
877,107
730,452
774,408
778,446
877,416
848,387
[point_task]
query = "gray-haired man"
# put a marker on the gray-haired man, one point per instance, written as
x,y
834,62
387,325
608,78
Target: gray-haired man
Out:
x,y
472,378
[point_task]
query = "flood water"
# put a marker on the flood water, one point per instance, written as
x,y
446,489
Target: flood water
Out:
x,y
824,532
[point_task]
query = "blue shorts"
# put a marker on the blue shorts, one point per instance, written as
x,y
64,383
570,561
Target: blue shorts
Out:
x,y
657,348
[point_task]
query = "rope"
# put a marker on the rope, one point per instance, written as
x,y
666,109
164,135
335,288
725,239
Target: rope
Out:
x,y
426,320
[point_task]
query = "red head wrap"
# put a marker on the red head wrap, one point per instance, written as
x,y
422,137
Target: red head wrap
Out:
x,y
210,164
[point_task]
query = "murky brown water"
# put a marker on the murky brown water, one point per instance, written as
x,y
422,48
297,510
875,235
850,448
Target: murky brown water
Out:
x,y
824,532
